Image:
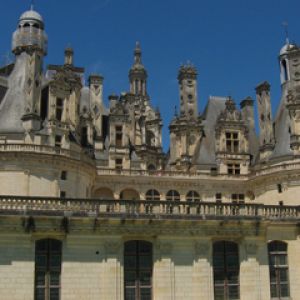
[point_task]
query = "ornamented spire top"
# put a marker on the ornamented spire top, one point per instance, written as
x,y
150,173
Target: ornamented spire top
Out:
x,y
137,54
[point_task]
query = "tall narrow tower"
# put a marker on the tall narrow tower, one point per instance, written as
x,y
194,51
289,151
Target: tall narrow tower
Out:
x,y
187,78
138,74
289,60
30,44
265,120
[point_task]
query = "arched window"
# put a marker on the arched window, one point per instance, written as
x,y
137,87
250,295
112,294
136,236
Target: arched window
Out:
x,y
151,167
138,265
26,25
152,195
37,26
284,70
104,194
129,194
278,268
48,254
173,195
226,268
192,196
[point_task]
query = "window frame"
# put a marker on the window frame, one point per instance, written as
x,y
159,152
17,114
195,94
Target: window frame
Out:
x,y
225,256
278,255
45,251
173,195
136,257
232,141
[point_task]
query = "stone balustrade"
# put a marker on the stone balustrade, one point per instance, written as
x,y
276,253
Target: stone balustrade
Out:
x,y
144,209
43,149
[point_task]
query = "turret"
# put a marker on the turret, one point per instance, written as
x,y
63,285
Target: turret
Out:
x,y
30,43
187,79
290,78
138,74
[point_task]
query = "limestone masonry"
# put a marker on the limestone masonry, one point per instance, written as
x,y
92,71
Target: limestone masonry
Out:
x,y
92,208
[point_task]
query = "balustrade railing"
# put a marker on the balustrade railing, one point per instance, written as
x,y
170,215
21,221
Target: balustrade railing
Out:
x,y
139,209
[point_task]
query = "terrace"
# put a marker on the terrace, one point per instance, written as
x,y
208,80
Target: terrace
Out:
x,y
143,209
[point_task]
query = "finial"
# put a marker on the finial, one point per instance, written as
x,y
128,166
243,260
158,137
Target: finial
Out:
x,y
137,45
137,53
32,5
286,29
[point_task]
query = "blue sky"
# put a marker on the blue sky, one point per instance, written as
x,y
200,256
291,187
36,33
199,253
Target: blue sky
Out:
x,y
234,44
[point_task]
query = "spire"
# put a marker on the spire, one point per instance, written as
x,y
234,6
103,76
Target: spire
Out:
x,y
137,54
286,30
32,5
138,73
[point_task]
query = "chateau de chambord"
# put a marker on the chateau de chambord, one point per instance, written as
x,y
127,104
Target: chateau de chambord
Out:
x,y
92,207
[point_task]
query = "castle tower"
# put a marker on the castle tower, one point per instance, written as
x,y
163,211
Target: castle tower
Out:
x,y
138,74
187,79
30,43
96,102
290,82
265,120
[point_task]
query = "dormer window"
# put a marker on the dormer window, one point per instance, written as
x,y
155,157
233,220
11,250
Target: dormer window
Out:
x,y
232,142
233,169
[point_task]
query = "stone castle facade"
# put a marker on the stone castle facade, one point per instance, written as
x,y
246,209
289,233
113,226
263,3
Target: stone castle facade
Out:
x,y
92,208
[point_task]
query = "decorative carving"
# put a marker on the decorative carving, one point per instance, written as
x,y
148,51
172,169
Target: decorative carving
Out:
x,y
65,81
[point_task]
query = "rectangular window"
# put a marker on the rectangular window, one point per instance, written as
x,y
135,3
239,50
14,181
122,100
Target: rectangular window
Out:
x,y
48,253
226,269
119,136
218,197
138,265
238,198
59,108
63,175
233,169
232,142
119,163
57,141
63,194
278,268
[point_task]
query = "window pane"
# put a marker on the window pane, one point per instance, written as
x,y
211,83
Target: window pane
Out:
x,y
219,293
130,262
145,278
130,277
284,290
55,246
233,292
40,294
145,248
145,294
145,262
40,279
273,291
54,294
130,247
41,261
54,278
130,294
55,261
